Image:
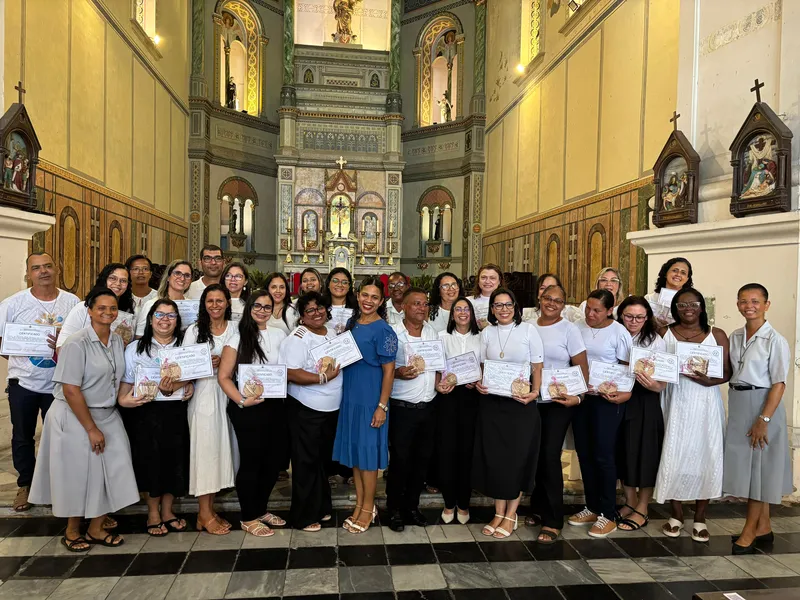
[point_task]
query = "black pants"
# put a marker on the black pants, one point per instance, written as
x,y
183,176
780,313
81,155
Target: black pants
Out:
x,y
596,426
262,438
24,406
411,440
311,433
456,413
547,499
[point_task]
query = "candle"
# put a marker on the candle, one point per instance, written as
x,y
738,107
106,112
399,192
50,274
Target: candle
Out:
x,y
379,226
288,223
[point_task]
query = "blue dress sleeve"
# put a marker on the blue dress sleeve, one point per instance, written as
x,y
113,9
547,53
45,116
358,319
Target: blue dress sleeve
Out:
x,y
386,345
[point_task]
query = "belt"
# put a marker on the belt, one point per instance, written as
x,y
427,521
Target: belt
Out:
x,y
404,404
745,388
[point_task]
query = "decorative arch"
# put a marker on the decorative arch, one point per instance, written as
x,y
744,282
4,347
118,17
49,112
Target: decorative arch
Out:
x,y
370,199
553,253
429,37
436,195
309,196
116,242
435,208
246,21
69,248
596,246
237,187
237,202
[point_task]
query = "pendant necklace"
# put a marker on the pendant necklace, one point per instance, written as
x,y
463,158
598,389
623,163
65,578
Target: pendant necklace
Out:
x,y
503,346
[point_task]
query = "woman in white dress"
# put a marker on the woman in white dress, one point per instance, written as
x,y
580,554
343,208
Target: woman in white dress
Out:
x,y
236,278
607,279
210,449
674,275
284,317
489,278
692,455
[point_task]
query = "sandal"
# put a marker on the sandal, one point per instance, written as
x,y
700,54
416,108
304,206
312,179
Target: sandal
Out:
x,y
503,533
630,524
112,540
533,521
156,531
357,527
71,545
672,528
698,529
214,527
551,537
488,530
326,518
222,521
257,529
272,520
313,528
110,523
169,524
349,520
21,503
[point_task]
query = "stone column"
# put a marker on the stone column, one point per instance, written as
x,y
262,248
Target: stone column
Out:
x,y
199,206
198,83
394,195
394,102
479,69
288,111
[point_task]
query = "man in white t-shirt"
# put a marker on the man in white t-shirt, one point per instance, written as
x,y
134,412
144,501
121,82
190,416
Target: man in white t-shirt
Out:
x,y
398,283
412,422
30,379
212,263
141,269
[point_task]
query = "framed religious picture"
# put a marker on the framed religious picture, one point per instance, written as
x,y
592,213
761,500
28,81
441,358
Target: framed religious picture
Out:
x,y
19,155
761,157
675,178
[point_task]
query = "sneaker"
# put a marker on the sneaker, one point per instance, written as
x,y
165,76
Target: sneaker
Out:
x,y
585,517
602,527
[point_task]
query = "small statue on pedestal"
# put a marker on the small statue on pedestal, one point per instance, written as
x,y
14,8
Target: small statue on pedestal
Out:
x,y
445,108
230,94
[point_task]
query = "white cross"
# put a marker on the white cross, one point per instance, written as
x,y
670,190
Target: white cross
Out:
x,y
341,162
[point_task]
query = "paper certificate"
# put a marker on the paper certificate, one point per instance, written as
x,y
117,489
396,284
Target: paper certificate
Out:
x,y
188,310
146,384
262,381
23,339
185,363
124,326
659,366
341,350
462,369
665,296
481,313
426,355
557,383
339,317
607,378
699,358
507,378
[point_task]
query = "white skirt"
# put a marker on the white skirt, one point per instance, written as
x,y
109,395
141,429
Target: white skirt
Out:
x,y
211,460
73,479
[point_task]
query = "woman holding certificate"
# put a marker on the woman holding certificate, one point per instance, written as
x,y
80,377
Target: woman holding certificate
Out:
x,y
489,278
457,411
509,427
757,461
692,454
674,275
444,292
260,423
235,278
642,430
312,408
362,433
84,465
284,317
211,453
158,431
597,419
563,348
176,280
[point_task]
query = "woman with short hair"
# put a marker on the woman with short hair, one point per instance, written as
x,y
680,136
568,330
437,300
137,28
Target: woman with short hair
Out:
x,y
489,278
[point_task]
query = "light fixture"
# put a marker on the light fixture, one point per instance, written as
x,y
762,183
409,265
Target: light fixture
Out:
x,y
520,68
156,39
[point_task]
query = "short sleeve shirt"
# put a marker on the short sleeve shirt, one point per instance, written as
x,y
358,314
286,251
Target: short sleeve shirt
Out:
x,y
295,354
561,342
518,343
762,361
610,344
134,359
423,387
270,340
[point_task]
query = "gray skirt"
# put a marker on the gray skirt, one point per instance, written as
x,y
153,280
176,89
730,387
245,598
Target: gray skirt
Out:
x,y
73,479
762,475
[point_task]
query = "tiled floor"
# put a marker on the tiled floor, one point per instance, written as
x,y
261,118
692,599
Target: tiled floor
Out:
x,y
442,562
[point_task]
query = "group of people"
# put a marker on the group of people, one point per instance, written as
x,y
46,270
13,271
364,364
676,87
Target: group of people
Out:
x,y
105,444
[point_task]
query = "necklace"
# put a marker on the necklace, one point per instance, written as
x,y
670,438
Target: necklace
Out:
x,y
46,312
688,338
503,345
112,362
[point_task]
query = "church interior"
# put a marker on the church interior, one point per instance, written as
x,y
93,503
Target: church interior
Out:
x,y
422,136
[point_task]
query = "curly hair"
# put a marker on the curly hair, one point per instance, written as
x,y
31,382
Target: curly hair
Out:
x,y
309,297
673,309
661,281
125,300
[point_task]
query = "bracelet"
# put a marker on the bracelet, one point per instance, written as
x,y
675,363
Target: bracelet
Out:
x,y
167,394
321,375
383,407
241,402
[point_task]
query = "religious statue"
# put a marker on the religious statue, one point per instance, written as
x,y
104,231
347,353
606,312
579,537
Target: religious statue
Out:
x,y
8,171
343,12
760,170
437,229
673,194
230,94
445,108
232,221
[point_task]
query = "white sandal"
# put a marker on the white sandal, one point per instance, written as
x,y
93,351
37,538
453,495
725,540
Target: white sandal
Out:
x,y
673,523
503,532
257,529
697,529
488,530
272,520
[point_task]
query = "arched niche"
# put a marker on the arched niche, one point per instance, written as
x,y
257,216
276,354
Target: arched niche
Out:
x,y
440,43
237,215
435,209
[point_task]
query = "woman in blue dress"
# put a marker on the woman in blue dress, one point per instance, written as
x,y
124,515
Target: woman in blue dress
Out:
x,y
362,435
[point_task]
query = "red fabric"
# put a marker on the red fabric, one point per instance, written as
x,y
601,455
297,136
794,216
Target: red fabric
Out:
x,y
385,281
295,283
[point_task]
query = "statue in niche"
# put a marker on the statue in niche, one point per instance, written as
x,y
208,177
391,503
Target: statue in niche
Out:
x,y
370,228
760,170
232,220
674,193
16,165
310,228
374,81
445,108
343,12
437,229
230,94
308,76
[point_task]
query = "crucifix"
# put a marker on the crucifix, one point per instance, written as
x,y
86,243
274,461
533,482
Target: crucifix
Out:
x,y
341,162
674,120
21,91
340,207
757,90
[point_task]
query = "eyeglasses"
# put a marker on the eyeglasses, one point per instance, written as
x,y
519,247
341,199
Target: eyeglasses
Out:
x,y
267,308
232,277
314,310
552,300
448,286
341,282
612,280
115,279
397,286
461,309
165,315
502,305
180,275
635,318
212,259
685,305
140,269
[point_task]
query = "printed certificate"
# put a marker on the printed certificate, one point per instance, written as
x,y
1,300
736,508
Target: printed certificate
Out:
x,y
699,358
146,384
188,310
607,378
263,381
462,369
23,339
341,350
185,363
482,313
124,326
426,355
339,317
665,297
507,378
659,366
557,383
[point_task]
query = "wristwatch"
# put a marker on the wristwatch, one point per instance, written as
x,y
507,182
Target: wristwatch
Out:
x,y
383,407
241,402
765,419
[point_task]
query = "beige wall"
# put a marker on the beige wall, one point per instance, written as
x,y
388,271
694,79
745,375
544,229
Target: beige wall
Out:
x,y
104,106
591,114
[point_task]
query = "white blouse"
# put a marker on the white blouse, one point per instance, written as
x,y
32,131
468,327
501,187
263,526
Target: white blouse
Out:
x,y
270,340
456,344
610,344
561,342
657,345
440,322
518,343
291,317
294,353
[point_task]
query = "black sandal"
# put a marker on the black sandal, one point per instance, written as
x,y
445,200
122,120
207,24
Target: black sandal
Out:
x,y
155,530
552,535
169,525
533,520
71,544
631,523
107,541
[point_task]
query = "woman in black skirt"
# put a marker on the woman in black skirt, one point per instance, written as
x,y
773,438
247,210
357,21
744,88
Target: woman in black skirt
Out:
x,y
312,408
508,430
642,431
456,413
158,431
